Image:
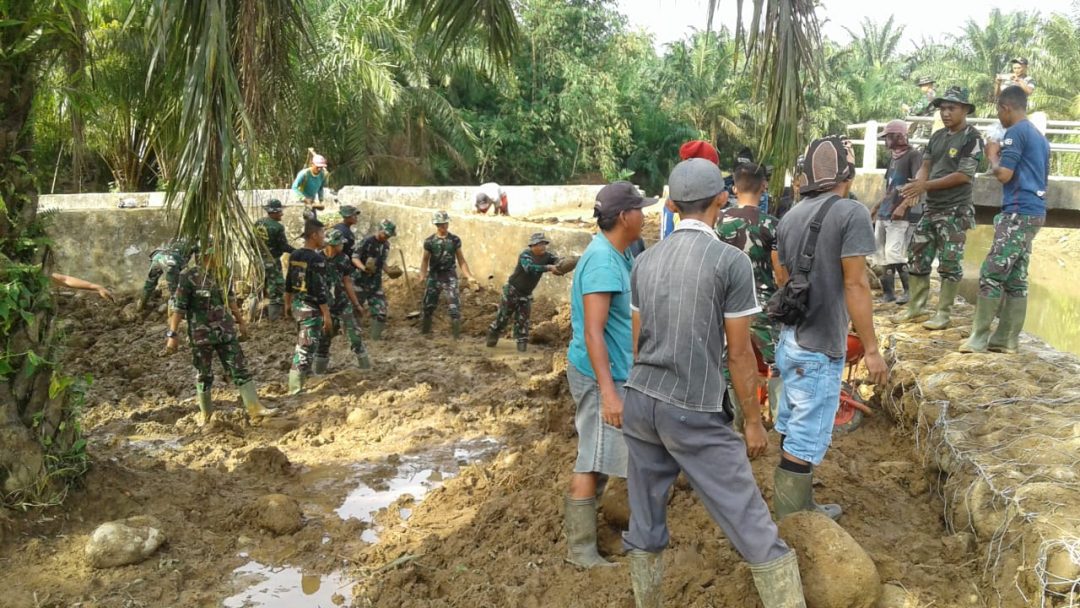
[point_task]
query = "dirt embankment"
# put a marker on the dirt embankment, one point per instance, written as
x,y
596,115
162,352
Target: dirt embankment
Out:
x,y
491,536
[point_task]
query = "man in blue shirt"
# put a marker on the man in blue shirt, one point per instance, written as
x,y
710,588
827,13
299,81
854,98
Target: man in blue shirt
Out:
x,y
600,356
1021,162
309,184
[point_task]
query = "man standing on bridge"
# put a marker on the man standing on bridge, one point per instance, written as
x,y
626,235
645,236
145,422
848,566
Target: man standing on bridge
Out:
x,y
1021,162
946,177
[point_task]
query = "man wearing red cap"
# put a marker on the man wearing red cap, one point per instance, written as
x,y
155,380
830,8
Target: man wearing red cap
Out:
x,y
894,215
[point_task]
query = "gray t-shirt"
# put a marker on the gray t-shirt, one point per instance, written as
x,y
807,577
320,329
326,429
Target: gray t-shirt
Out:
x,y
683,288
846,232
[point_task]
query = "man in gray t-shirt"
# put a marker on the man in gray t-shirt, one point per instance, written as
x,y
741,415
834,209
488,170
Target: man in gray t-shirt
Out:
x,y
810,355
689,293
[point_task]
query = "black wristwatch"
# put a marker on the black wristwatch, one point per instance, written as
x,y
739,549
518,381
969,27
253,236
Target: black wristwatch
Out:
x,y
170,333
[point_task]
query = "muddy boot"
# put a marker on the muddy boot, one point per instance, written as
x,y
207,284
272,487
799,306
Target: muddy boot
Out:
x,y
274,311
206,405
647,578
377,328
793,492
425,325
581,533
902,272
1010,323
945,304
888,282
778,582
296,382
455,328
320,365
492,338
920,292
143,299
985,310
522,346
251,402
363,361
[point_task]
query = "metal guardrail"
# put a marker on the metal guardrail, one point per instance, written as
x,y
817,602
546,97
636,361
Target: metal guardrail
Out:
x,y
870,140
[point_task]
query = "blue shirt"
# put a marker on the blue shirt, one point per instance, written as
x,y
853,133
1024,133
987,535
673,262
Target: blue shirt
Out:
x,y
603,269
1027,153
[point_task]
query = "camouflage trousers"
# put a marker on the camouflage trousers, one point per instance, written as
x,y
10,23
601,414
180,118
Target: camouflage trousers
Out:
x,y
346,322
941,236
162,264
273,281
375,299
518,306
1005,269
308,338
445,283
232,360
764,334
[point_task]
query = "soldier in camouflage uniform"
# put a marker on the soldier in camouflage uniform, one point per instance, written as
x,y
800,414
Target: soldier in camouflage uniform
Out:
x,y
168,261
1021,163
214,325
306,301
274,244
517,298
371,256
946,178
341,298
438,273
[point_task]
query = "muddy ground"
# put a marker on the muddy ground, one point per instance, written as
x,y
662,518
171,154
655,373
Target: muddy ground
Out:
x,y
489,536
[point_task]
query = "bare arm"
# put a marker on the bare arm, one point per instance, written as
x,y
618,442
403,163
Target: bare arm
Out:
x,y
464,265
635,330
350,291
743,367
779,272
993,154
922,184
63,280
424,262
597,306
860,306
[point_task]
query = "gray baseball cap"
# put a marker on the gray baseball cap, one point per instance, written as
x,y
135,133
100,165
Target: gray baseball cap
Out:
x,y
695,179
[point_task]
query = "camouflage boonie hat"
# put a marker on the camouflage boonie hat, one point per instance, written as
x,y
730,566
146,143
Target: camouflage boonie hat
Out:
x,y
388,227
440,217
273,206
335,238
955,95
925,80
347,211
537,238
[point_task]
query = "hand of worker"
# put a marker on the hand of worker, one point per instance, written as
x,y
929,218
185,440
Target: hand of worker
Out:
x,y
900,212
993,150
877,369
327,325
913,189
171,344
757,439
611,407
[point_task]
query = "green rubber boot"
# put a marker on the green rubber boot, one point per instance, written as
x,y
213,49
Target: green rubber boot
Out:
x,y
296,382
920,293
985,309
206,405
1007,337
252,405
522,345
794,492
425,325
363,361
945,304
455,328
320,365
377,328
581,533
492,338
647,578
778,582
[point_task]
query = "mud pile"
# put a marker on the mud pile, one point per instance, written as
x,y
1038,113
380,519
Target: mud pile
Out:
x,y
1001,433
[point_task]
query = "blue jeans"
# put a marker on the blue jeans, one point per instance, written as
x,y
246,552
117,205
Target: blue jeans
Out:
x,y
810,398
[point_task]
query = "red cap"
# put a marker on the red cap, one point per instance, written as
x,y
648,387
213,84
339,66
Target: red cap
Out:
x,y
699,149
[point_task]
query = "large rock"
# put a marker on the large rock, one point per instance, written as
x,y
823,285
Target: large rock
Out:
x,y
836,571
277,513
124,542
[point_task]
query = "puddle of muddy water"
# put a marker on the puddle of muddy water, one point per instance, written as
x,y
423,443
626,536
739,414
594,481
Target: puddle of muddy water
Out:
x,y
416,475
287,587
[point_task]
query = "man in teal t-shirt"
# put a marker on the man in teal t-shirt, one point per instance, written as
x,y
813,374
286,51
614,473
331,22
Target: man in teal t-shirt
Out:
x,y
308,186
600,356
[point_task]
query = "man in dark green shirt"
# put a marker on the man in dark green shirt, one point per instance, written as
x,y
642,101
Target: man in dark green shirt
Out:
x,y
517,298
946,178
271,235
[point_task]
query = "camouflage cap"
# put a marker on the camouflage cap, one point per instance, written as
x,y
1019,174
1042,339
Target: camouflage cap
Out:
x,y
274,206
958,95
388,227
537,238
440,217
335,238
347,211
925,80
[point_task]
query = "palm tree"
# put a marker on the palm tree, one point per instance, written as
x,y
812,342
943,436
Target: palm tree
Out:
x,y
986,50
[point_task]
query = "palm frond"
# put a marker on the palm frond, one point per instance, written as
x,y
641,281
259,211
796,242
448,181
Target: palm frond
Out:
x,y
453,21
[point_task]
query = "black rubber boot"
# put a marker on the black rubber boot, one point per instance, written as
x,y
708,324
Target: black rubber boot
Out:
x,y
888,282
902,272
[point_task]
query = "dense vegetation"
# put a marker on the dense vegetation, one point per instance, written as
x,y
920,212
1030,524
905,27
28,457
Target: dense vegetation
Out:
x,y
583,98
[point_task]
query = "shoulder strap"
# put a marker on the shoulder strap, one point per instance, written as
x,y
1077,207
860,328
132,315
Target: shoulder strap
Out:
x,y
806,258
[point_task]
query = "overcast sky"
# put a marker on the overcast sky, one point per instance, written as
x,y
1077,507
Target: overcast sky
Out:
x,y
670,20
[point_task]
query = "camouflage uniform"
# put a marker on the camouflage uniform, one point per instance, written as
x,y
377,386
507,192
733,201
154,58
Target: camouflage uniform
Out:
x,y
168,261
517,293
211,327
442,274
754,232
306,281
337,270
369,286
271,233
1006,266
